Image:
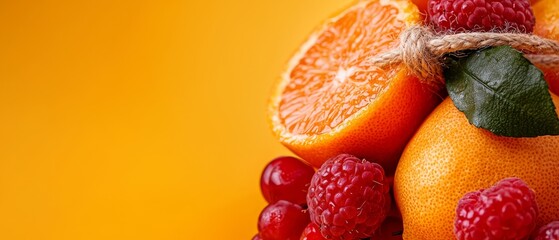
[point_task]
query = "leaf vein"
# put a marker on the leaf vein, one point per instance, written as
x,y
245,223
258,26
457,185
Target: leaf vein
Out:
x,y
502,98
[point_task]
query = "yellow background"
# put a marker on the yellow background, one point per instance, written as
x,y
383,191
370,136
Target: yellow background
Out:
x,y
140,119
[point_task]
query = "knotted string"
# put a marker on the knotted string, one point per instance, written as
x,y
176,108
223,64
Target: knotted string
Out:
x,y
421,50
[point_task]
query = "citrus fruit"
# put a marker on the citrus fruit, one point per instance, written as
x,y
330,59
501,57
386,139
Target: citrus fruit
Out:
x,y
332,101
547,25
448,157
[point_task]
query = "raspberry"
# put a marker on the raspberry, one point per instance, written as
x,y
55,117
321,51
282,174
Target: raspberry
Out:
x,y
312,232
548,232
481,15
282,220
286,178
508,210
348,198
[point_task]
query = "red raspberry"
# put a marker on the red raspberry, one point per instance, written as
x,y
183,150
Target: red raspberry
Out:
x,y
348,198
481,15
548,232
312,232
508,210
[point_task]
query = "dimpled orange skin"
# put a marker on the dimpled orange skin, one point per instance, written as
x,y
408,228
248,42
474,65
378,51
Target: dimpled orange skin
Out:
x,y
547,25
448,157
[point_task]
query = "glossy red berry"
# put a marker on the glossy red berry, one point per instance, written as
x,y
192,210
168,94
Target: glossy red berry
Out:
x,y
312,232
286,178
481,15
257,237
282,220
348,198
548,232
506,211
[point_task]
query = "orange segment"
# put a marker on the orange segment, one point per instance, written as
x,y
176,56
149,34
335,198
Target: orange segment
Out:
x,y
547,25
333,70
331,101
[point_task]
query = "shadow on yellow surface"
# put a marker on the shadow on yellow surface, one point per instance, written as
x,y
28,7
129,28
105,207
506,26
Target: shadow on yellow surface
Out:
x,y
140,119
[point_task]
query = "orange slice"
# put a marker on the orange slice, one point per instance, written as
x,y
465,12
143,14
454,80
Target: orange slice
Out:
x,y
331,101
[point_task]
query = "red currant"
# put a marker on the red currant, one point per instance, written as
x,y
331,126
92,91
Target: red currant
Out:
x,y
312,232
282,221
286,178
257,237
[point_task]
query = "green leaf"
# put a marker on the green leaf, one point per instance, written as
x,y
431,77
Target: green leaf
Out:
x,y
501,91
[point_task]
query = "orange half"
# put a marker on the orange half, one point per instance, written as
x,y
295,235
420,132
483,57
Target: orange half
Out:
x,y
331,100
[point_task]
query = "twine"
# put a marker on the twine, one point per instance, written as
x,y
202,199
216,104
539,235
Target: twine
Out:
x,y
421,50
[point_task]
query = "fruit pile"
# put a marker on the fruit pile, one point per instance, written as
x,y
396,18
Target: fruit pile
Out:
x,y
385,154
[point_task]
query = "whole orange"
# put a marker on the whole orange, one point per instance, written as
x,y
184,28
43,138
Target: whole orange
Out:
x,y
547,25
331,100
448,157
